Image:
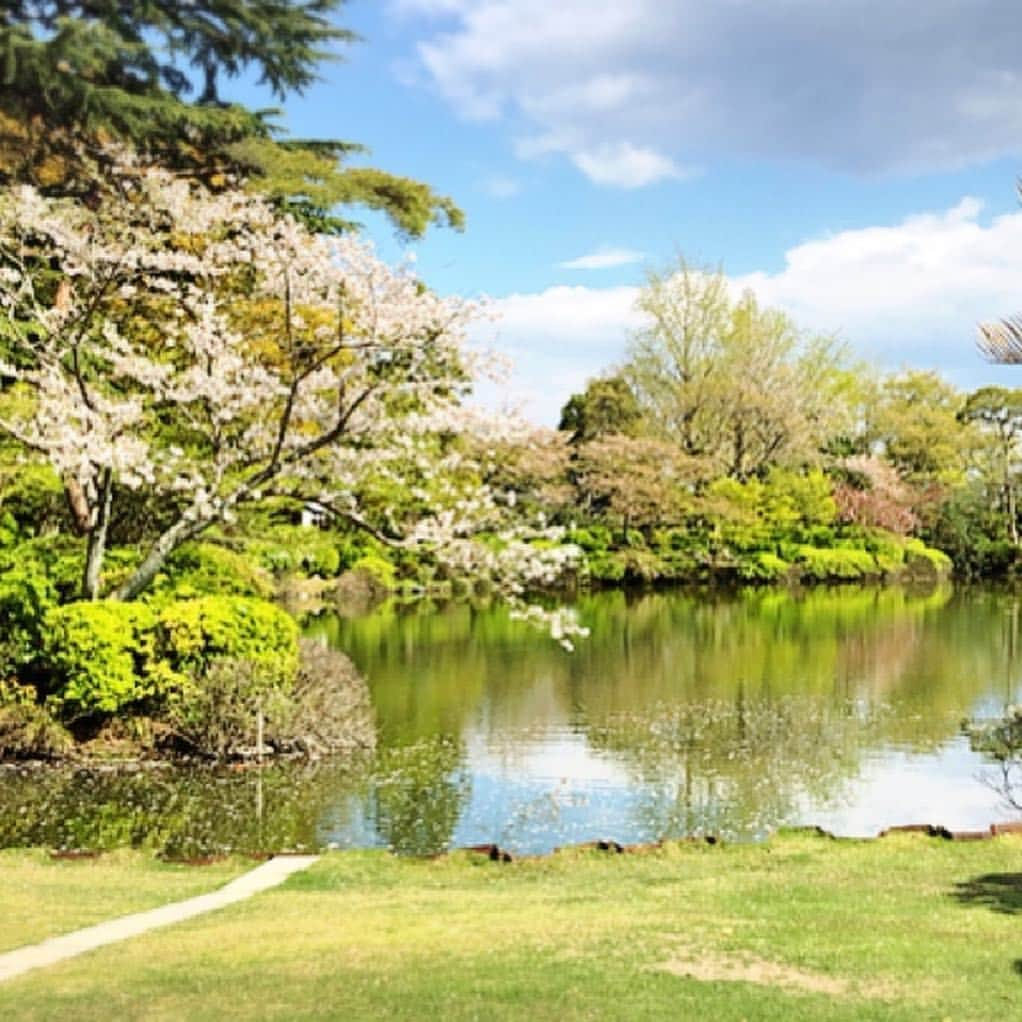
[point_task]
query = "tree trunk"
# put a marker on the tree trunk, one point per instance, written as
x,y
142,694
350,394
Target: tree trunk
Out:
x,y
1012,514
96,550
179,533
1009,501
78,505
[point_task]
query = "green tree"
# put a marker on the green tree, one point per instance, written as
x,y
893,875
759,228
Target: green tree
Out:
x,y
149,74
731,381
915,420
607,405
640,482
998,411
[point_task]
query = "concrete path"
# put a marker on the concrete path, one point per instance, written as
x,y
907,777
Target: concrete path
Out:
x,y
56,949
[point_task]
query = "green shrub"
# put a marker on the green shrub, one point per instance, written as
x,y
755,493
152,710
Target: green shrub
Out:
x,y
763,566
606,567
195,633
642,566
888,550
32,495
99,657
918,554
26,595
591,538
102,657
836,565
198,569
382,572
26,728
297,548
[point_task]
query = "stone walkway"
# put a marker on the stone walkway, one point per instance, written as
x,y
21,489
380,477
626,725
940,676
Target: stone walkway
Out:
x,y
56,949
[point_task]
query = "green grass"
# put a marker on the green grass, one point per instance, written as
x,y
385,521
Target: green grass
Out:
x,y
799,928
41,897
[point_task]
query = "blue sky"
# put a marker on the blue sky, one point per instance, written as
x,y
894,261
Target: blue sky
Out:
x,y
853,162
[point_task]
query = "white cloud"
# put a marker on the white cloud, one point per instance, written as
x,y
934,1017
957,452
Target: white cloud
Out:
x,y
557,339
905,294
910,292
501,187
624,165
838,84
604,259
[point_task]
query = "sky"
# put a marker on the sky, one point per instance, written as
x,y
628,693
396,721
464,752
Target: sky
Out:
x,y
851,161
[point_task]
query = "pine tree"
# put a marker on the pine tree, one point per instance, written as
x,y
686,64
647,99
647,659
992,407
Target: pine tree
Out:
x,y
77,74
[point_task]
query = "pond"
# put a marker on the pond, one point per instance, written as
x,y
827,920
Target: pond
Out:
x,y
684,713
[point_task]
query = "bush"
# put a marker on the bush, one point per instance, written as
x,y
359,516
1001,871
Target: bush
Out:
x,y
26,595
919,556
195,633
382,572
218,713
99,657
198,569
33,498
763,566
297,548
332,711
28,730
836,565
591,538
605,567
888,551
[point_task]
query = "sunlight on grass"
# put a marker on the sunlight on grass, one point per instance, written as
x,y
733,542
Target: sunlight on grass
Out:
x,y
41,897
802,927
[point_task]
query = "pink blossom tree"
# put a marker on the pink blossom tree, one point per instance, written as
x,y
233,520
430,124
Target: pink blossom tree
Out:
x,y
203,349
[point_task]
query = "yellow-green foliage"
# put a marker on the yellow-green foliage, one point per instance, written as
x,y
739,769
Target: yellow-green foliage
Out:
x,y
836,564
26,594
102,656
763,566
194,633
32,495
198,569
789,506
283,549
887,550
381,571
916,550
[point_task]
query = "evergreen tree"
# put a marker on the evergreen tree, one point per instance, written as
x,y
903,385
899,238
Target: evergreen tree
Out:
x,y
77,74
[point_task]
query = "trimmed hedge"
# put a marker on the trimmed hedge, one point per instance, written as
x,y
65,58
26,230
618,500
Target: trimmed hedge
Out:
x,y
195,633
101,657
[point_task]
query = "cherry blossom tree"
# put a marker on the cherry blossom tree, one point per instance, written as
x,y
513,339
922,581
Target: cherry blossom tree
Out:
x,y
203,348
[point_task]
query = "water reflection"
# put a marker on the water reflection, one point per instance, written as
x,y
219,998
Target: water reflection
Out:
x,y
683,713
180,813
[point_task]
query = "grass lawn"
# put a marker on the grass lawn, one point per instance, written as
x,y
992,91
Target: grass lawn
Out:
x,y
800,928
41,897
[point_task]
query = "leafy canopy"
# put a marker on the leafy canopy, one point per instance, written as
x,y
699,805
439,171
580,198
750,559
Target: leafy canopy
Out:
x,y
149,75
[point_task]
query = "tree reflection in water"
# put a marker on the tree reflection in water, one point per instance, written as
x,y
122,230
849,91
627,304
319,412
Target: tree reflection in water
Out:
x,y
737,769
684,712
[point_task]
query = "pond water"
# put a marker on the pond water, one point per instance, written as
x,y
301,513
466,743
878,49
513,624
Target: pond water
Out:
x,y
683,713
